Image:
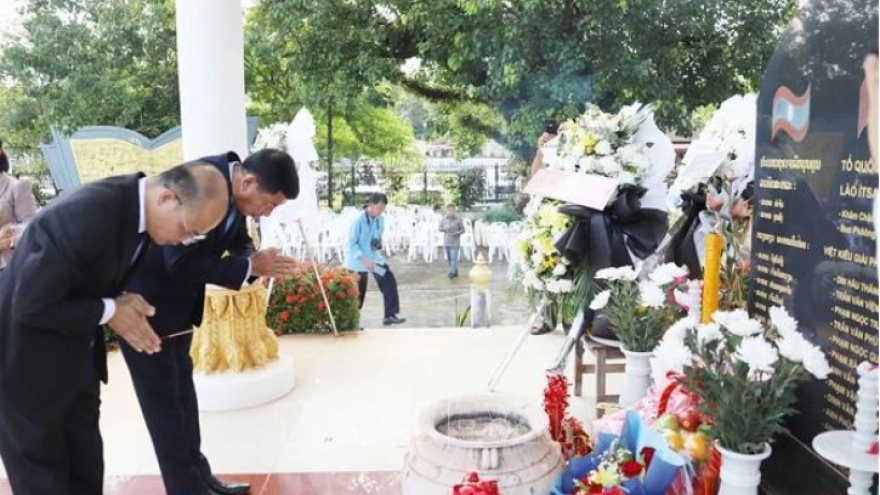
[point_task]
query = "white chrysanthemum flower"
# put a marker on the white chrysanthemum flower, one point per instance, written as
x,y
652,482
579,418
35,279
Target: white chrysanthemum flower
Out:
x,y
793,346
651,295
758,353
746,328
588,163
600,300
537,257
682,298
738,322
816,363
603,147
609,273
669,355
667,273
625,177
609,165
559,270
785,324
622,273
679,329
708,332
564,285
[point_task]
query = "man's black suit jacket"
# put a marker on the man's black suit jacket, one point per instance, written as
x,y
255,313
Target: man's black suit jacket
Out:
x,y
173,278
75,252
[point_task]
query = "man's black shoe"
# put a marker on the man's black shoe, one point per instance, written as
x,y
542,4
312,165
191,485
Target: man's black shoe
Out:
x,y
393,320
541,330
221,488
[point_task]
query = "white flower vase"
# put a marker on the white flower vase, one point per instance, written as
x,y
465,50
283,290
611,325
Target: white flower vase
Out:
x,y
741,473
637,377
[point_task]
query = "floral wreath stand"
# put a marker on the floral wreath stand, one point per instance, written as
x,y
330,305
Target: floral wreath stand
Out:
x,y
236,363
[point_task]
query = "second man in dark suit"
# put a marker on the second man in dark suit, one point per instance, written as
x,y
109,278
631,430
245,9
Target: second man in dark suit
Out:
x,y
173,280
64,281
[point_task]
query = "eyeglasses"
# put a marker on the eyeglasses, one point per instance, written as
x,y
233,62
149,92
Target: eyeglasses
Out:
x,y
191,238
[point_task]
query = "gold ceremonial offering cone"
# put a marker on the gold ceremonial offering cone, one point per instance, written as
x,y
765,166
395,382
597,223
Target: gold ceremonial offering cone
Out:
x,y
233,335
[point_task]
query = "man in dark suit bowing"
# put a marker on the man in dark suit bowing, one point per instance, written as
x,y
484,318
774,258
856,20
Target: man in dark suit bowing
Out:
x,y
64,281
173,280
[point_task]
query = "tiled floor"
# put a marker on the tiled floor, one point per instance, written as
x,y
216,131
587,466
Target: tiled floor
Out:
x,y
345,427
364,483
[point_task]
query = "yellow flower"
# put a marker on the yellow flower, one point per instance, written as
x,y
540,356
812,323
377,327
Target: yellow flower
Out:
x,y
524,248
604,477
562,222
589,143
547,215
547,244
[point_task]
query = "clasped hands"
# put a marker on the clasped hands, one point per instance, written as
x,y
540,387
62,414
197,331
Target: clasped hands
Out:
x,y
269,263
130,322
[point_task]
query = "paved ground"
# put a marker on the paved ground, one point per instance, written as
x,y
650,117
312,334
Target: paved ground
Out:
x,y
429,299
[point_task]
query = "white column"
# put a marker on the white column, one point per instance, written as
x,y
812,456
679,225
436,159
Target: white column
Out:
x,y
210,67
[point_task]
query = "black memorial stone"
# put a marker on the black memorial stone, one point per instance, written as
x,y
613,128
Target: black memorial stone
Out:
x,y
813,242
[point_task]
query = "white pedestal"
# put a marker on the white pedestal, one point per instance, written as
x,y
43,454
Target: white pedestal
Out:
x,y
230,390
836,446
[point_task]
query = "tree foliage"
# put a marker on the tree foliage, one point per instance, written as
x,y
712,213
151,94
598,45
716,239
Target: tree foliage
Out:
x,y
531,60
92,62
364,122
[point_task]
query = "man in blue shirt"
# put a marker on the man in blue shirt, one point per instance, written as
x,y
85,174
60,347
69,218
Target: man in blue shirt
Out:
x,y
363,254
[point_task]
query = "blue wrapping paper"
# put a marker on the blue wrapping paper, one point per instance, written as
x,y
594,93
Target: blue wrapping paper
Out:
x,y
634,435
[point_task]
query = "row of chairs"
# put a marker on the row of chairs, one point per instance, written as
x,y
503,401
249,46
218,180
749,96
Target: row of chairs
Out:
x,y
411,230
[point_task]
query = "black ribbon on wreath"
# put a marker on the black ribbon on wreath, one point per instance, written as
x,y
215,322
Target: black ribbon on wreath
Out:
x,y
604,239
683,251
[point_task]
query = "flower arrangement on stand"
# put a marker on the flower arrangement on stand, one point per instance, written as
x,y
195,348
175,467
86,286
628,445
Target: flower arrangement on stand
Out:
x,y
744,374
639,312
625,146
714,188
542,270
297,306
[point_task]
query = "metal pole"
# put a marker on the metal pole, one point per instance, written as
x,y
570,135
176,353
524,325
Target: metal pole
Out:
x,y
330,153
425,185
522,338
496,182
353,182
574,334
302,232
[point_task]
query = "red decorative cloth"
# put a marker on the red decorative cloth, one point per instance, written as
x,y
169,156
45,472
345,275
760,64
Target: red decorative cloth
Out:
x,y
472,485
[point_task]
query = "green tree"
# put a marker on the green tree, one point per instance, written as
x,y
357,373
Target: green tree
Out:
x,y
92,62
532,60
366,125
